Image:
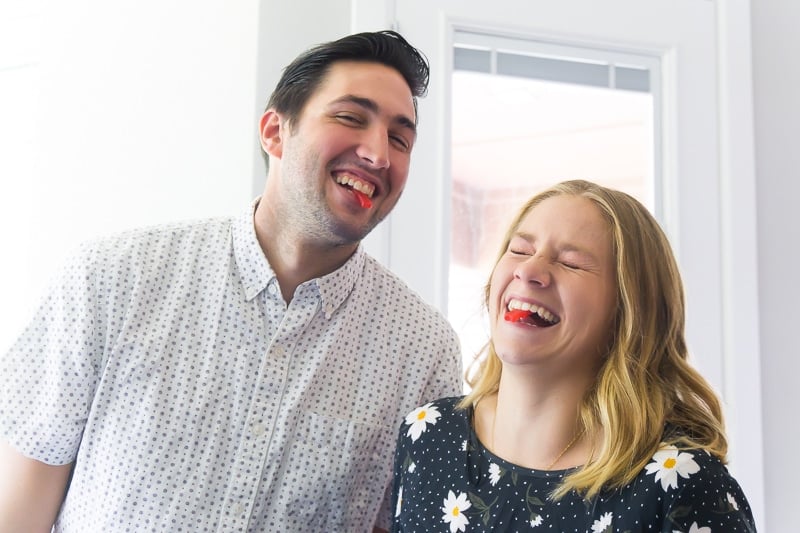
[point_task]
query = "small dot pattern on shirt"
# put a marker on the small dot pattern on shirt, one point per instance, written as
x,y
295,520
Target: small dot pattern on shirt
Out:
x,y
166,364
446,480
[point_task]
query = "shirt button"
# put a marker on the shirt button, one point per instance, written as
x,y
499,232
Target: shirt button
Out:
x,y
277,351
259,429
272,289
238,508
329,308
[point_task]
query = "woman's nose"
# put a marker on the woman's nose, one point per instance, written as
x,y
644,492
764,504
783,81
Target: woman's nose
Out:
x,y
535,269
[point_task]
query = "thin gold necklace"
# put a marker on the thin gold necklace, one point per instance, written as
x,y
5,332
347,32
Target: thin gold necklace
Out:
x,y
558,457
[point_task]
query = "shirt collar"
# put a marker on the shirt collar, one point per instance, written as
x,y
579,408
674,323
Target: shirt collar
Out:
x,y
254,270
334,288
256,274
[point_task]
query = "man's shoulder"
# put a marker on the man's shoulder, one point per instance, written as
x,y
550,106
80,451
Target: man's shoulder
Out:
x,y
385,283
155,236
169,230
150,247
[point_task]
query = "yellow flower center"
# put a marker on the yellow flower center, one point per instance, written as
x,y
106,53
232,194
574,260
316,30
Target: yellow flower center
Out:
x,y
670,463
421,415
456,512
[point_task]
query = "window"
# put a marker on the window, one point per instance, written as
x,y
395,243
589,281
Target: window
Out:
x,y
526,115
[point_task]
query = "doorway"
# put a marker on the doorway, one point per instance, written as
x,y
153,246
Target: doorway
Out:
x,y
546,112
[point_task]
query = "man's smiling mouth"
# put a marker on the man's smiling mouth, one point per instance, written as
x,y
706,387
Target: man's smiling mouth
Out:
x,y
362,189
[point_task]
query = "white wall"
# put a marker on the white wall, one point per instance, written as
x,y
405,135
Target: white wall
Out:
x,y
127,114
776,73
19,81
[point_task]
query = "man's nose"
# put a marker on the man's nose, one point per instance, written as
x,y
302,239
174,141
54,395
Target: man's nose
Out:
x,y
374,147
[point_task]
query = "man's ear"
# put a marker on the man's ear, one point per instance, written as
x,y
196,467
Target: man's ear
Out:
x,y
270,132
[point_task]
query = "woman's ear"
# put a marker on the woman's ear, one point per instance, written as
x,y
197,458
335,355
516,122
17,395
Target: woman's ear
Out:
x,y
270,131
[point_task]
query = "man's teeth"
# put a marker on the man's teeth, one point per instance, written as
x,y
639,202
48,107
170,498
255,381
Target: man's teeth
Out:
x,y
526,306
360,186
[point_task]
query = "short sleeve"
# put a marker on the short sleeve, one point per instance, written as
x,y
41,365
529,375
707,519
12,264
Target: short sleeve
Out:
x,y
711,499
49,374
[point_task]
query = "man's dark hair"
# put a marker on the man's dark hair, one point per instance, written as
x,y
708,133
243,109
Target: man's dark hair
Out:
x,y
303,75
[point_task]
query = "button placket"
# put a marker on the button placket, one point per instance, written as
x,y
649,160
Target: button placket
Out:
x,y
258,429
261,421
283,419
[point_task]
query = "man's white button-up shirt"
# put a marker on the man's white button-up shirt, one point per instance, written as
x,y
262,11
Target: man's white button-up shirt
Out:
x,y
165,363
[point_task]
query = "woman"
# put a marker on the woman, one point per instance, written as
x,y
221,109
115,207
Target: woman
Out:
x,y
584,414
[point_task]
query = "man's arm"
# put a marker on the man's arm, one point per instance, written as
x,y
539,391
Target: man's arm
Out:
x,y
31,492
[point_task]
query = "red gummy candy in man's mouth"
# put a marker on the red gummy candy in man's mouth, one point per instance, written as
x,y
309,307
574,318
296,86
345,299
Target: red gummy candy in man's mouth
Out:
x,y
363,199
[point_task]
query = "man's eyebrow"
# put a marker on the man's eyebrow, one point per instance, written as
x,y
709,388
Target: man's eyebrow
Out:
x,y
372,106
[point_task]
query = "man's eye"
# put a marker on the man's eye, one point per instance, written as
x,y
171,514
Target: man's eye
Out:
x,y
400,142
571,266
351,119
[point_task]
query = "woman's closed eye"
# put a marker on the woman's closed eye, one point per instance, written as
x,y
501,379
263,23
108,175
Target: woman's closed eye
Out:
x,y
520,246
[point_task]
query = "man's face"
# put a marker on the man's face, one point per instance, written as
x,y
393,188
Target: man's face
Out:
x,y
343,163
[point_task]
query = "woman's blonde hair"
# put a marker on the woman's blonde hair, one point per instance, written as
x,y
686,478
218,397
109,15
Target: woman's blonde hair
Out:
x,y
645,381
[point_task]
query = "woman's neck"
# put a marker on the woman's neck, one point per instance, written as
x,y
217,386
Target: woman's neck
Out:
x,y
533,427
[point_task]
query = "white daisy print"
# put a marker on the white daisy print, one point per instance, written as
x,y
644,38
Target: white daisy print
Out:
x,y
536,521
412,467
494,474
419,419
668,463
464,446
453,509
602,523
696,529
732,501
399,501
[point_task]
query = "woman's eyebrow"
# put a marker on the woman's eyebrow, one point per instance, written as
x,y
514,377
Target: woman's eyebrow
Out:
x,y
561,248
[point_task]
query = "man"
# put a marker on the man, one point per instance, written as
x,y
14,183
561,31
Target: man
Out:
x,y
244,374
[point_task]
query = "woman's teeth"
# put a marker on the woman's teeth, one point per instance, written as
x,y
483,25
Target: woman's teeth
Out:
x,y
518,305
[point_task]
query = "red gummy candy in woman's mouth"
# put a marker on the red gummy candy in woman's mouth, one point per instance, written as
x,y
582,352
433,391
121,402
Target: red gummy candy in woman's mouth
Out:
x,y
515,314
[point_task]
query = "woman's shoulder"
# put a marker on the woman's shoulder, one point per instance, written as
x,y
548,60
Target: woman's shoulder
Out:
x,y
690,462
694,486
437,417
674,466
684,488
439,407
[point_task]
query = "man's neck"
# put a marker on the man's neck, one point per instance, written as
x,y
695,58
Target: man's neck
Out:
x,y
295,258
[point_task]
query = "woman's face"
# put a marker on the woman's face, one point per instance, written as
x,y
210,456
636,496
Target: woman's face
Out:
x,y
552,297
